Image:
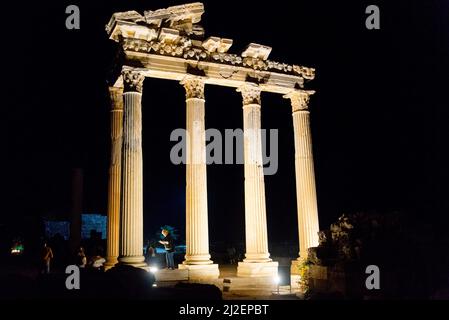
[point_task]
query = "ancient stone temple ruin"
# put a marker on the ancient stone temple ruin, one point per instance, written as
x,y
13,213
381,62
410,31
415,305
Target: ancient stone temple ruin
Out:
x,y
170,44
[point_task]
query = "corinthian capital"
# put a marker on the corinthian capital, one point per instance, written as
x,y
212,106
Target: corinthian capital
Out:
x,y
250,93
194,87
299,99
116,97
132,80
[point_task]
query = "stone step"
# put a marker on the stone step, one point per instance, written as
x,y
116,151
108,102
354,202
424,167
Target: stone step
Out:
x,y
238,283
171,275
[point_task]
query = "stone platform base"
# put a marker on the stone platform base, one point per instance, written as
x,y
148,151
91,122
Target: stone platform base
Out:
x,y
200,271
296,264
295,275
140,265
143,266
257,269
171,275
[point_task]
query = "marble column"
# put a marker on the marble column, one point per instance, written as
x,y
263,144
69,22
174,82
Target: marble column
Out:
x,y
113,226
131,220
257,260
308,225
197,259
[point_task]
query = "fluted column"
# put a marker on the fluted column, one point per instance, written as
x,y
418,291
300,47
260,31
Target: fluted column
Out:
x,y
255,211
308,225
113,226
197,258
131,226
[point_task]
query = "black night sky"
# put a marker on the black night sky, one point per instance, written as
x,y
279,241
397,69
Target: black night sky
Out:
x,y
379,117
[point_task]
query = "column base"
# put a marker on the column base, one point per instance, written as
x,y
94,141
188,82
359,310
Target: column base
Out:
x,y
201,271
108,266
110,263
257,269
257,257
134,261
197,260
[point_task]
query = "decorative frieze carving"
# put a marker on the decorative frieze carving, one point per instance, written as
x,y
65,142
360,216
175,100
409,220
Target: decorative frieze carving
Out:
x,y
132,80
306,73
250,93
183,48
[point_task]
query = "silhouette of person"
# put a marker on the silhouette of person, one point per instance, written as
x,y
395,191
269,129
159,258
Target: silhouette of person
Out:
x,y
168,243
232,254
150,254
81,258
47,256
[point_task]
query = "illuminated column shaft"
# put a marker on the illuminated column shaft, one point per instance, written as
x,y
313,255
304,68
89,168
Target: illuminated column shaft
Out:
x,y
113,226
255,212
131,230
308,225
197,230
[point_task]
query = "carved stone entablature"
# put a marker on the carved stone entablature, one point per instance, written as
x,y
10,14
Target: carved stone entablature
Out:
x,y
227,58
194,87
137,32
167,35
257,51
130,17
215,44
185,50
132,80
124,29
306,73
189,11
250,93
299,99
182,17
174,32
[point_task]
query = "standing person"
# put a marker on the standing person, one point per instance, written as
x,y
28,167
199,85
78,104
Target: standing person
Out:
x,y
47,255
150,254
81,257
168,243
232,254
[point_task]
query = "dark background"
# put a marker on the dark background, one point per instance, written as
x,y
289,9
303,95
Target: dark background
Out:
x,y
379,117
